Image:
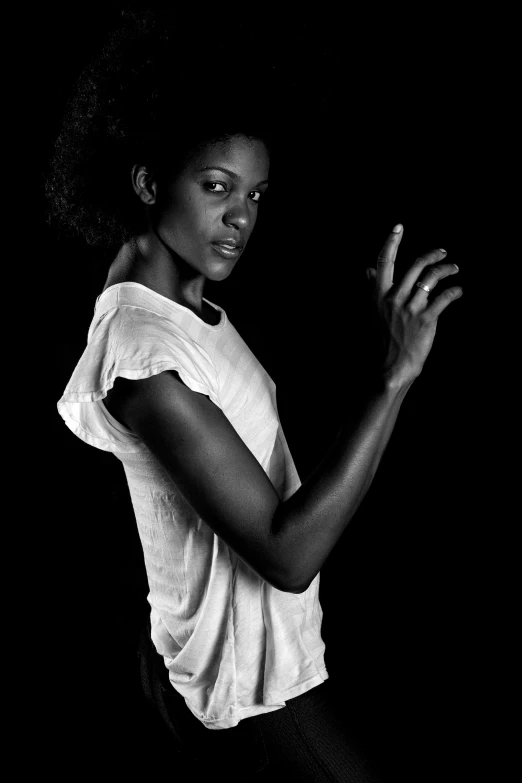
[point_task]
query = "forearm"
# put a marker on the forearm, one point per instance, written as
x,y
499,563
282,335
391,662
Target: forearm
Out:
x,y
306,527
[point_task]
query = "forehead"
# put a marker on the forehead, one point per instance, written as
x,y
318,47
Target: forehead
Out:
x,y
238,153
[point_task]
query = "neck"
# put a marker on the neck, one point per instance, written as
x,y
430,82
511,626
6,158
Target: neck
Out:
x,y
140,260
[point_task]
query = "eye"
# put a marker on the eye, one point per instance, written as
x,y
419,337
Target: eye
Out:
x,y
213,187
256,193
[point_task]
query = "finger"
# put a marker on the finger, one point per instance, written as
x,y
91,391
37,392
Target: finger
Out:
x,y
439,304
386,260
410,278
430,279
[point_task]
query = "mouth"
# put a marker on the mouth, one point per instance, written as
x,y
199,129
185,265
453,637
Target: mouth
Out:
x,y
227,250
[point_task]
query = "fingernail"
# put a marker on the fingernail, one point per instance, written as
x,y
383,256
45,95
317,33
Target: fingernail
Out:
x,y
397,229
441,250
456,267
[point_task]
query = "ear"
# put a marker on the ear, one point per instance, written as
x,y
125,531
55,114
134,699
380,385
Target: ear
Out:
x,y
144,185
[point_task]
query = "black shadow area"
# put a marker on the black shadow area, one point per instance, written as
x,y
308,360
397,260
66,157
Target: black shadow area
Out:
x,y
399,595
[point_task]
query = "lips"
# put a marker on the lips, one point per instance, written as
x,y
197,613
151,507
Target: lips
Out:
x,y
229,244
228,248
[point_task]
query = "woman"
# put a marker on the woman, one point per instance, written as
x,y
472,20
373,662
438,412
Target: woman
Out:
x,y
233,542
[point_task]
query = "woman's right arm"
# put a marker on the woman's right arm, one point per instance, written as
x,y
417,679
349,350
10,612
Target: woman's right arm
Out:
x,y
286,543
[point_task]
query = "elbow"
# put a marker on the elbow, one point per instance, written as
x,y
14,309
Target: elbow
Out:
x,y
296,587
289,582
300,582
287,586
279,569
300,589
291,589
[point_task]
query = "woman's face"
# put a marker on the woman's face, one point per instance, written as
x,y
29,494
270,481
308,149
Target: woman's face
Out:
x,y
207,213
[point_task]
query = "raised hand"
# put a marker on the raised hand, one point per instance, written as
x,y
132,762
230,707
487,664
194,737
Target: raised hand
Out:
x,y
408,319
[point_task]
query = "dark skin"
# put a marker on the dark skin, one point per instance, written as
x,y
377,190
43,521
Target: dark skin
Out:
x,y
286,543
176,256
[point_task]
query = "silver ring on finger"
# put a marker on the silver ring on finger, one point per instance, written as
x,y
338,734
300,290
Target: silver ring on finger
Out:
x,y
424,287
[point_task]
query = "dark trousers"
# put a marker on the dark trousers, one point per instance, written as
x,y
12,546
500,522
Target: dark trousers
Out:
x,y
308,740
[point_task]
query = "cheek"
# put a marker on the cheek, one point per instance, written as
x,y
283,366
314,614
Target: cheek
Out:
x,y
177,217
188,223
194,213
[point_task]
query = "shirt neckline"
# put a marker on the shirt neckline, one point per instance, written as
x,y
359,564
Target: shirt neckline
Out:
x,y
129,283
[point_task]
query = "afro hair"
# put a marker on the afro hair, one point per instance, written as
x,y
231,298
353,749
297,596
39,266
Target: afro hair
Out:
x,y
151,96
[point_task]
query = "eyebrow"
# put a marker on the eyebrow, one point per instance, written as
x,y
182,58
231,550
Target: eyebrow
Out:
x,y
231,174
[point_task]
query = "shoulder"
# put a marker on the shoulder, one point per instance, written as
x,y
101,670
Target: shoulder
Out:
x,y
150,392
135,330
162,407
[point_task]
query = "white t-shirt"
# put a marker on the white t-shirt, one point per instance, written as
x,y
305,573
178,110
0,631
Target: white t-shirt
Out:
x,y
234,645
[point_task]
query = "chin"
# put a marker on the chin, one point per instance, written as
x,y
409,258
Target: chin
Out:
x,y
219,272
218,267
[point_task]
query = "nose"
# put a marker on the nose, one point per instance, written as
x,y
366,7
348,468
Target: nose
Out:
x,y
238,217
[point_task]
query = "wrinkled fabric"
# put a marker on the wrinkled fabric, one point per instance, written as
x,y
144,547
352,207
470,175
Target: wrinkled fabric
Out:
x,y
234,646
314,740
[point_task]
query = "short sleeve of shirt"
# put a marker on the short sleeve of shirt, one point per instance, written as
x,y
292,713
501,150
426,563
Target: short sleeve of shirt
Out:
x,y
129,342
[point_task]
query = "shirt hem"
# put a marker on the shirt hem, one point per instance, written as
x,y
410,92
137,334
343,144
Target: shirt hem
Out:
x,y
228,722
302,687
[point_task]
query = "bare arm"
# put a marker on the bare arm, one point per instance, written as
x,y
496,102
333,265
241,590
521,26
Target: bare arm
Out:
x,y
309,524
286,543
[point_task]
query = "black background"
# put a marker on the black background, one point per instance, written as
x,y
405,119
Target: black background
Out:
x,y
403,593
